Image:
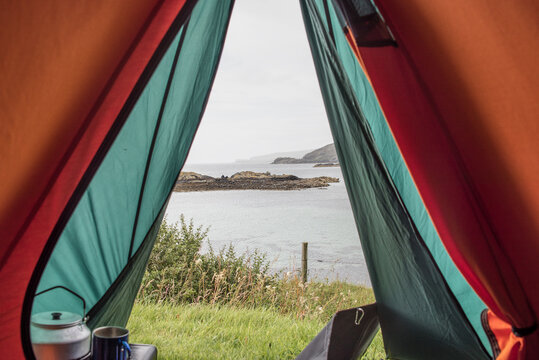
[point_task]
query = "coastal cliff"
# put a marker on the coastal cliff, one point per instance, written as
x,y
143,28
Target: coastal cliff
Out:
x,y
248,180
325,155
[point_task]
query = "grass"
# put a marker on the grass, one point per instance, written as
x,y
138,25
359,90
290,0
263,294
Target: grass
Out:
x,y
223,305
204,331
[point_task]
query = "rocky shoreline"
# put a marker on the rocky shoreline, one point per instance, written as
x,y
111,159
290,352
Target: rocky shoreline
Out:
x,y
327,165
248,180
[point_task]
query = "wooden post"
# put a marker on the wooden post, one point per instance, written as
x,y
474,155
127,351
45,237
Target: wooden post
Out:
x,y
304,262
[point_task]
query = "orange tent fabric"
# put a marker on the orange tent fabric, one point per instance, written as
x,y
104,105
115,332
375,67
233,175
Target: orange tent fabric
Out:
x,y
460,94
505,339
68,68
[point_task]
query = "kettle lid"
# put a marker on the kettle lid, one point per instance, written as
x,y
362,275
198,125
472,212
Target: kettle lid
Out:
x,y
56,319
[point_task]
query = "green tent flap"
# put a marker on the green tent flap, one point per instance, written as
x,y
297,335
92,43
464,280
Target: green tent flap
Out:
x,y
104,104
123,205
386,145
115,305
419,315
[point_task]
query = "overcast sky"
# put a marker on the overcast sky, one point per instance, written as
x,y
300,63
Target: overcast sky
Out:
x,y
266,97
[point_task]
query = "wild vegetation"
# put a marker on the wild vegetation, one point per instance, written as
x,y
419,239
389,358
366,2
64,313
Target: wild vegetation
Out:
x,y
231,302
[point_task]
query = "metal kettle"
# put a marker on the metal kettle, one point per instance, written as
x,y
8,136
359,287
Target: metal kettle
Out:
x,y
60,334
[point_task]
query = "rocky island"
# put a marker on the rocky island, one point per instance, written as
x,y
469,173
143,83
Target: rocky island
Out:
x,y
248,180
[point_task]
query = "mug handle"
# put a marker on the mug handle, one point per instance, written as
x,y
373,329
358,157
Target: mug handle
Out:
x,y
126,346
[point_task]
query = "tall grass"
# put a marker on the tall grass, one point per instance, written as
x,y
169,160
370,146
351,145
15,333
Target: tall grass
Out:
x,y
179,275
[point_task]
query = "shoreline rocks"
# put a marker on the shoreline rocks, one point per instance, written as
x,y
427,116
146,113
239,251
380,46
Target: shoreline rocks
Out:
x,y
248,180
327,165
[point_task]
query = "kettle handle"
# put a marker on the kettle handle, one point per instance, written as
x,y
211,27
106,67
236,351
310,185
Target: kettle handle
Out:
x,y
72,292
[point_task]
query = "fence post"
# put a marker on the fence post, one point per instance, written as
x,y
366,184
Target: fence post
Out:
x,y
304,262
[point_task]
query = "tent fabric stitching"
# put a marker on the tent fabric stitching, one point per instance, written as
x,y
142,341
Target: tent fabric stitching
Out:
x,y
76,139
156,131
97,307
410,219
308,6
182,16
470,302
475,111
112,289
184,117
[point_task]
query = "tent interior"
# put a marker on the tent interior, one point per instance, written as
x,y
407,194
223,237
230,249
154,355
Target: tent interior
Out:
x,y
432,107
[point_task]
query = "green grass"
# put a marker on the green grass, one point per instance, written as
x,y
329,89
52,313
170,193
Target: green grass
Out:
x,y
223,305
204,331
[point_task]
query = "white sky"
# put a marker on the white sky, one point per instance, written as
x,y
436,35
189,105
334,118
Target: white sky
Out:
x,y
266,97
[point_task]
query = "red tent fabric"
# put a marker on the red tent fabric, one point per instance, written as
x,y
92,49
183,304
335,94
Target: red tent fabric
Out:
x,y
460,95
459,92
70,70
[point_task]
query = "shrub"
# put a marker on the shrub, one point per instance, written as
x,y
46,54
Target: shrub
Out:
x,y
178,273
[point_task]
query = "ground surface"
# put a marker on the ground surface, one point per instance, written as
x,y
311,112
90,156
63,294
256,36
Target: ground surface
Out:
x,y
224,332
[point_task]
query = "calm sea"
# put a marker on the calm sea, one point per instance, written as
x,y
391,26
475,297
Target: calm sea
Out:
x,y
277,222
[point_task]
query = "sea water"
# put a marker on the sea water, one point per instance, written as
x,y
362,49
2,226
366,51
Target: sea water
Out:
x,y
277,222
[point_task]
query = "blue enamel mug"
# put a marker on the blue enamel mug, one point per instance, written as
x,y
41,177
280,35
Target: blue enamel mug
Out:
x,y
110,343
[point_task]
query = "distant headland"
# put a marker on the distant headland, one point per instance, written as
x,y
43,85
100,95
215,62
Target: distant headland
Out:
x,y
325,156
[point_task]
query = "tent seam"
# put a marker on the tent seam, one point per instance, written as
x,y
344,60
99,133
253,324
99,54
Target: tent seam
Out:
x,y
154,137
180,19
